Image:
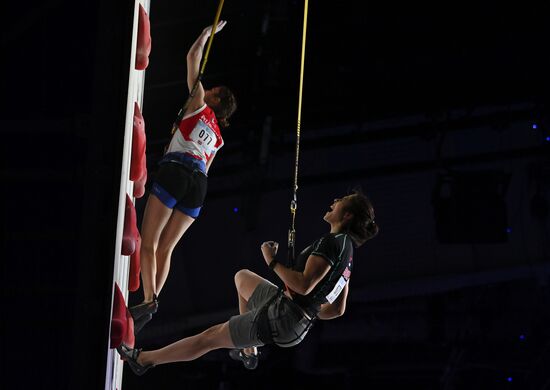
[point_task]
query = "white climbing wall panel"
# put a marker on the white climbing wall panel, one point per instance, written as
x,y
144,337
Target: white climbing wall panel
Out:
x,y
113,380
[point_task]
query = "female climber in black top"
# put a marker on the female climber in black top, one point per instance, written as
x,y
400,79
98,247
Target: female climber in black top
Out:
x,y
316,288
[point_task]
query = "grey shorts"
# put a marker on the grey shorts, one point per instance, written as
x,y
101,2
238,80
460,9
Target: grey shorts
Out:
x,y
287,322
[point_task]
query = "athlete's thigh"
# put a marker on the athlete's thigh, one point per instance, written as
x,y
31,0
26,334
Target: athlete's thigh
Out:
x,y
246,282
177,225
155,217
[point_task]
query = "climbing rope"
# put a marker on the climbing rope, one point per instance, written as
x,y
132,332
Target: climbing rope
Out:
x,y
294,201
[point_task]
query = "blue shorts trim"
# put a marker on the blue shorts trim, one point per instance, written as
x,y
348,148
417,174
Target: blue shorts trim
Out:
x,y
170,202
193,213
163,195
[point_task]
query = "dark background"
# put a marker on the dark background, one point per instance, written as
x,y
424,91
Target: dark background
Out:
x,y
430,108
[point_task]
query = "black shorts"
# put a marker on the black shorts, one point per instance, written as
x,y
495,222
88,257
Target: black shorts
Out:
x,y
181,187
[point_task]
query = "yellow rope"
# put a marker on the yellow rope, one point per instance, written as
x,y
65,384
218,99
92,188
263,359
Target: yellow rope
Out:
x,y
214,26
294,202
201,71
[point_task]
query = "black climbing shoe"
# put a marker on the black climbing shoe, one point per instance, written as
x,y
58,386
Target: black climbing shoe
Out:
x,y
141,321
250,361
131,356
140,310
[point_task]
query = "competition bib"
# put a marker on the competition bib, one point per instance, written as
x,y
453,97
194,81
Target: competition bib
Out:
x,y
204,137
331,297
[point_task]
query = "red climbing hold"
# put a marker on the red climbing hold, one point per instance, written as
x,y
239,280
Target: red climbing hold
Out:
x,y
143,48
138,162
122,323
130,233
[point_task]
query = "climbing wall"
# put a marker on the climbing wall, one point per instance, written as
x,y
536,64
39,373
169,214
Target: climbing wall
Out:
x,y
132,186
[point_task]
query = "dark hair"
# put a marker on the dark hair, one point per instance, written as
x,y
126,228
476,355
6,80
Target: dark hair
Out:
x,y
362,226
226,107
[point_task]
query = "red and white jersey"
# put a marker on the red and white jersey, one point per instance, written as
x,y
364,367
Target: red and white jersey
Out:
x,y
199,135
